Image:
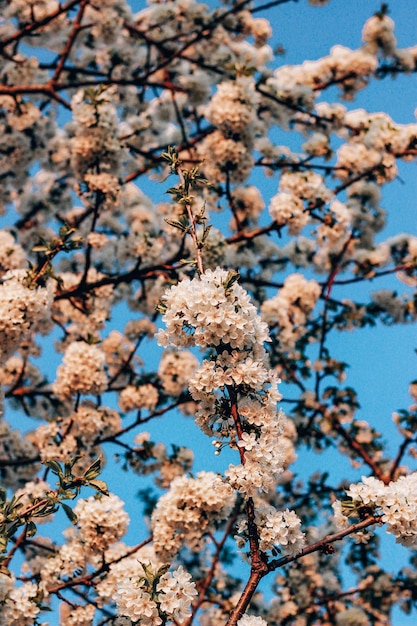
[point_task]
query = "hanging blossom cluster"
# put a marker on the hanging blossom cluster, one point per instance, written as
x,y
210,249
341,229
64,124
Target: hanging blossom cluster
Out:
x,y
290,309
24,310
228,150
212,311
395,502
188,511
101,521
95,140
82,371
277,530
237,392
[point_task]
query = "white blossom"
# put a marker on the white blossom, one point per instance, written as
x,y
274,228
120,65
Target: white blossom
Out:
x,y
82,371
101,521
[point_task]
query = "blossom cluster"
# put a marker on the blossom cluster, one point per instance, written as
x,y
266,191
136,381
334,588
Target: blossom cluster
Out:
x,y
278,530
396,502
23,311
95,141
289,310
170,599
212,310
215,311
82,371
188,510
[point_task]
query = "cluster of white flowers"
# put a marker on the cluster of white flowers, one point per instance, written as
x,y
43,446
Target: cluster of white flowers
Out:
x,y
378,34
397,502
170,598
136,398
175,370
378,131
355,157
212,310
62,438
137,604
107,184
296,188
308,186
187,511
25,130
78,616
287,208
91,423
299,85
23,311
176,592
96,140
101,521
233,106
82,371
352,617
264,454
20,606
289,310
225,157
233,111
277,529
12,256
51,443
335,236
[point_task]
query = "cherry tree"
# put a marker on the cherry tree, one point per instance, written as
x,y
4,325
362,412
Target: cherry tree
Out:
x,y
148,278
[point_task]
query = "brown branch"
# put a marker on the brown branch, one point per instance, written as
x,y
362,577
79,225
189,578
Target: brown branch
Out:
x,y
89,578
203,587
244,600
401,451
249,235
259,564
69,44
18,543
356,446
326,541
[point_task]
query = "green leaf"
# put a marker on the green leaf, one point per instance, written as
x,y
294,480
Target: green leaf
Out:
x,y
231,278
69,513
94,470
178,225
31,529
13,528
206,231
54,467
100,485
